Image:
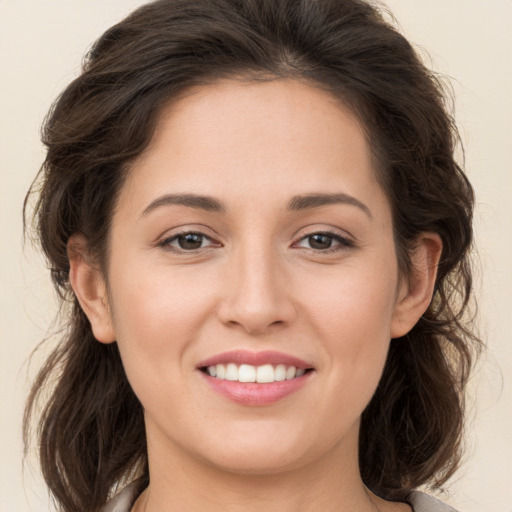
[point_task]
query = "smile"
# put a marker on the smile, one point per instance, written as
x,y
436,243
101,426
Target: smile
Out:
x,y
249,373
255,378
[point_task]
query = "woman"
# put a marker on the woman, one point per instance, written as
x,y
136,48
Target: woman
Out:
x,y
253,212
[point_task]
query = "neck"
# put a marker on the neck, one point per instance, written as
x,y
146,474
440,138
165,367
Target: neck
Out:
x,y
181,483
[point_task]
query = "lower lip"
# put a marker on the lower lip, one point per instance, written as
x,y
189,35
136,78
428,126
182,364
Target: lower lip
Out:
x,y
252,393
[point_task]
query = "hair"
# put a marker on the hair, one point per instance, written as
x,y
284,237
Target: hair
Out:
x,y
91,434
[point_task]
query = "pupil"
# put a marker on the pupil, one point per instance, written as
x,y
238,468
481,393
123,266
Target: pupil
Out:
x,y
190,241
320,241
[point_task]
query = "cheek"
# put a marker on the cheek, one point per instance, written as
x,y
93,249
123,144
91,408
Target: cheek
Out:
x,y
156,316
356,302
351,317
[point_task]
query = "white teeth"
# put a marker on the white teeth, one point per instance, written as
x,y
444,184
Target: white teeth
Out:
x,y
280,372
290,372
231,372
249,373
265,373
221,371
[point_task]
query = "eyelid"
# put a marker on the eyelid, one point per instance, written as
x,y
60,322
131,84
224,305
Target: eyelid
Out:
x,y
320,227
345,241
165,240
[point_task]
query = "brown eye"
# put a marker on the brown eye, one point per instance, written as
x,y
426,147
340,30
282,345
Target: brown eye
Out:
x,y
325,242
190,241
184,242
320,241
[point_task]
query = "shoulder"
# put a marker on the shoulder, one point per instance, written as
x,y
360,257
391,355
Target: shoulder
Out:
x,y
123,501
424,503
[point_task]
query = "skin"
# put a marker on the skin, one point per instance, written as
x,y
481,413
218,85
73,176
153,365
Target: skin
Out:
x,y
257,282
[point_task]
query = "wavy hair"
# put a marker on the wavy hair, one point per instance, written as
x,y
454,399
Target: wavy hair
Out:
x,y
90,433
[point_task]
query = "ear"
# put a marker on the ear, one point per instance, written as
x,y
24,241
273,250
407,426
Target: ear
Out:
x,y
415,293
90,289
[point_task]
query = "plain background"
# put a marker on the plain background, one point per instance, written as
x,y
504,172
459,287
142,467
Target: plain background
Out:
x,y
41,46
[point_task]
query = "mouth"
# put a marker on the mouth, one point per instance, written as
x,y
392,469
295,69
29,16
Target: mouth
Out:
x,y
263,374
255,378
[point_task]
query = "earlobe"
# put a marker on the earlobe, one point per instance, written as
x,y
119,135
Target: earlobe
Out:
x,y
416,292
89,286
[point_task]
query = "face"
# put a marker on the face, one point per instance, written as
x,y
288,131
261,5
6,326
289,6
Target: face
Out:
x,y
252,241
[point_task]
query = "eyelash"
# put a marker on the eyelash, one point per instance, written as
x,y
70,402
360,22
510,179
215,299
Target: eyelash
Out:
x,y
342,242
166,242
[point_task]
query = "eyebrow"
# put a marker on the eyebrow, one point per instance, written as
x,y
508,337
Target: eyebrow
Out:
x,y
308,201
206,203
296,203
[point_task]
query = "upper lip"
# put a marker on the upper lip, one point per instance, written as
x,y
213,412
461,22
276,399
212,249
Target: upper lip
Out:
x,y
255,359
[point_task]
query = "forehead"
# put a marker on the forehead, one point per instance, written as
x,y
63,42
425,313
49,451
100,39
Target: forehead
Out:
x,y
244,139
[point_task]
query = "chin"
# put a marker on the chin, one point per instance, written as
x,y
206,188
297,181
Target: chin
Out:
x,y
257,462
259,454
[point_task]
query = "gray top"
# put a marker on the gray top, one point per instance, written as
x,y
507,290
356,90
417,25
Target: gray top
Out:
x,y
419,501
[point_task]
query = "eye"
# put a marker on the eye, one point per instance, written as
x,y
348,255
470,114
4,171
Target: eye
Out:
x,y
187,241
325,242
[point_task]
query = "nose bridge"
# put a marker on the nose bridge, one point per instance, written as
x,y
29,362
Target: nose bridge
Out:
x,y
256,293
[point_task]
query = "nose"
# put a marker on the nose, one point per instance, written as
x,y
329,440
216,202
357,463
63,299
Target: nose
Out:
x,y
257,298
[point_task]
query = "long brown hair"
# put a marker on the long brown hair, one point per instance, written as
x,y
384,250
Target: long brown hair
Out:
x,y
91,431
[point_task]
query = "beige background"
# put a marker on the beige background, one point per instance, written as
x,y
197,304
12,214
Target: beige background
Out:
x,y
41,45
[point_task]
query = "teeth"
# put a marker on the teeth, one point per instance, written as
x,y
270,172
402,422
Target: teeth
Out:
x,y
220,369
290,372
248,373
280,372
231,372
265,373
